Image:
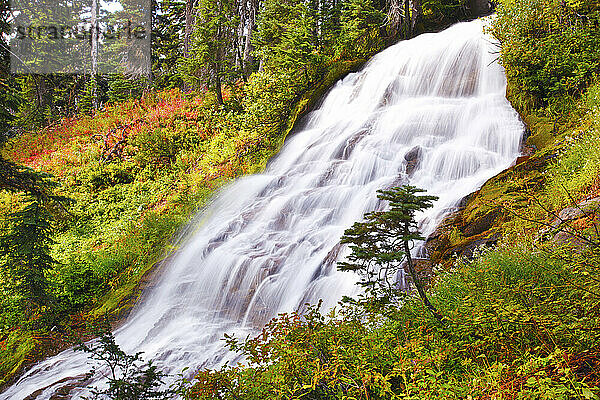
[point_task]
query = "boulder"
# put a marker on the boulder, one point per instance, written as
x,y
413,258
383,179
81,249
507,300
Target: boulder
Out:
x,y
467,248
586,211
413,160
583,209
480,8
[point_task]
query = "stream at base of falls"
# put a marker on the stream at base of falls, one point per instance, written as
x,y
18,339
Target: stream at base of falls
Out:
x,y
430,112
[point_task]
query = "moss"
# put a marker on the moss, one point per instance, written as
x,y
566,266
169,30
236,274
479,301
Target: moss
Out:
x,y
543,131
15,352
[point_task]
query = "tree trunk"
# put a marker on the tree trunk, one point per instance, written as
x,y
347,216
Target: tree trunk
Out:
x,y
218,87
242,10
415,278
407,20
394,17
189,26
417,13
94,53
219,55
314,6
248,48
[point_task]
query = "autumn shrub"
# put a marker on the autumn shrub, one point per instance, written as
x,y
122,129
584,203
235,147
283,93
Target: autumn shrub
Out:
x,y
574,174
519,299
518,319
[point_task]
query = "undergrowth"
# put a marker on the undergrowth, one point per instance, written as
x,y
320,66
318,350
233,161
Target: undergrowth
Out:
x,y
520,324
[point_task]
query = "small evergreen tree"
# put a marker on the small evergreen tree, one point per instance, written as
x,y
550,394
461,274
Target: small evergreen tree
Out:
x,y
128,378
25,255
168,27
121,88
382,244
25,245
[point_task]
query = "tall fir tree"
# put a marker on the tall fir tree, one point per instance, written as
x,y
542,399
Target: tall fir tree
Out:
x,y
285,38
168,30
10,98
213,48
25,257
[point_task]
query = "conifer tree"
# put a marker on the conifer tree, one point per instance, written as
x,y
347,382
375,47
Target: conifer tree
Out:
x,y
9,98
381,246
212,61
168,28
25,256
360,24
285,38
25,245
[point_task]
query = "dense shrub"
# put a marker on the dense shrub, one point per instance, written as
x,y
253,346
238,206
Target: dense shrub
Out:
x,y
550,49
519,324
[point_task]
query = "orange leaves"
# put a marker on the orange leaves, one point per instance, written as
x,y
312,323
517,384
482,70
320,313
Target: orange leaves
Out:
x,y
107,131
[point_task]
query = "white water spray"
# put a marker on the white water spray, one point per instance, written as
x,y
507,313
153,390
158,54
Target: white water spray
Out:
x,y
269,242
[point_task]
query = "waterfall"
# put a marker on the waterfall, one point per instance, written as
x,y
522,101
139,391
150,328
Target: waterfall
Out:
x,y
430,112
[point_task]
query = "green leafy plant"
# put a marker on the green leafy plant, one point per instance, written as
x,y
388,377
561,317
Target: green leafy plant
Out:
x,y
550,49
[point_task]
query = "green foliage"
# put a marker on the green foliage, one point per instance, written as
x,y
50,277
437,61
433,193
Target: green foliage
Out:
x,y
212,60
129,378
286,35
168,24
47,98
15,351
17,178
10,98
299,42
307,356
438,11
25,255
381,245
122,88
550,50
361,24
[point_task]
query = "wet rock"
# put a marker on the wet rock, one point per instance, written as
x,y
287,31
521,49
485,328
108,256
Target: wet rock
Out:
x,y
413,160
592,205
467,248
568,227
565,239
480,8
521,159
389,94
343,151
464,201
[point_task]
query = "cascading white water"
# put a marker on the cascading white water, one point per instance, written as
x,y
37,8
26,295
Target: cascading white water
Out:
x,y
269,243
